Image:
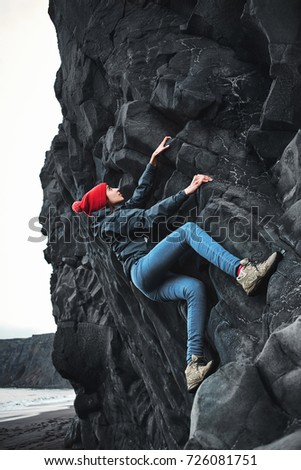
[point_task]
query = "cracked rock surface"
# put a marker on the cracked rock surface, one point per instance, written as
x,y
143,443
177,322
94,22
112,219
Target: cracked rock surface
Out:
x,y
225,84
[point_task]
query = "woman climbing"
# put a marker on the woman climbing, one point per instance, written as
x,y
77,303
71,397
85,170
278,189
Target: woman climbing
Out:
x,y
124,226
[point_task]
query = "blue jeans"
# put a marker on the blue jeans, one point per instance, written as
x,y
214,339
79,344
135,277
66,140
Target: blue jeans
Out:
x,y
151,275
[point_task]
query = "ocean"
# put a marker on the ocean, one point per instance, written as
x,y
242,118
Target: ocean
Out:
x,y
17,403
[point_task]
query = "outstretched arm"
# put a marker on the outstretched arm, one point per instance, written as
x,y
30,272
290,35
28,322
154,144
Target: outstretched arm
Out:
x,y
169,206
145,183
159,149
166,208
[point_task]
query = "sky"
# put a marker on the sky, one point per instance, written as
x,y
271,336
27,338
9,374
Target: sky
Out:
x,y
29,119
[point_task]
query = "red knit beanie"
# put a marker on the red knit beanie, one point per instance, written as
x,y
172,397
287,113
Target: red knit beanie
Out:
x,y
93,200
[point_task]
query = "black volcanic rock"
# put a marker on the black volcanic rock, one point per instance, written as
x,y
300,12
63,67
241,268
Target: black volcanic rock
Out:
x,y
219,20
27,363
256,419
224,82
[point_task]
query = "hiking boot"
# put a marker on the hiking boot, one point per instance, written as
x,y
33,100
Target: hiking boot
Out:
x,y
196,371
252,272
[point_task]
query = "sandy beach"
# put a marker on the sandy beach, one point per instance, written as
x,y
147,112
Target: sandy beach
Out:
x,y
44,431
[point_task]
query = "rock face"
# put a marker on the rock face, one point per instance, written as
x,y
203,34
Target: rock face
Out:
x,y
225,83
27,363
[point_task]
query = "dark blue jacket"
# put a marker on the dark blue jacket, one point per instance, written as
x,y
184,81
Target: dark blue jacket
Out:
x,y
127,227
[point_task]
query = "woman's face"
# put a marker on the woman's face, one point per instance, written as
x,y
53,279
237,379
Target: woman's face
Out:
x,y
114,195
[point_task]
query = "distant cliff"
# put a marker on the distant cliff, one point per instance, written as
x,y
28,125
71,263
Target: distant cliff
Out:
x,y
223,78
26,362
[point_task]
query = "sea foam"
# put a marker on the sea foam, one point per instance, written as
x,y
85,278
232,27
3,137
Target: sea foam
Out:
x,y
16,403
